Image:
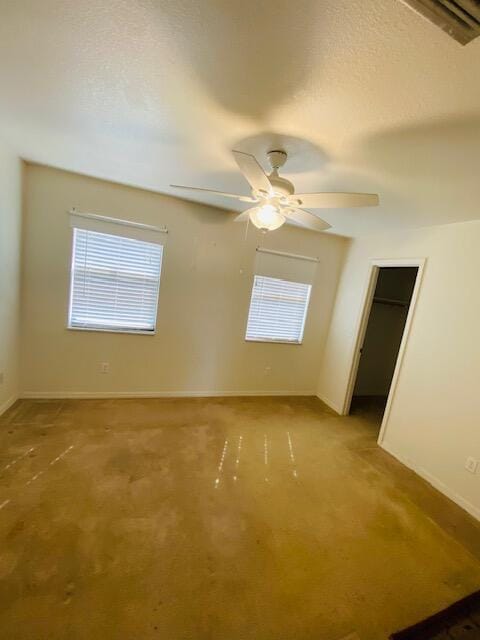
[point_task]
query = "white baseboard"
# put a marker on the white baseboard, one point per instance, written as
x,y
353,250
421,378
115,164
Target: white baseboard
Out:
x,y
434,481
7,404
61,395
329,403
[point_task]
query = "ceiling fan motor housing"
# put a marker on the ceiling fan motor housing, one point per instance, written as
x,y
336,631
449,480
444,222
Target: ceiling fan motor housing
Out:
x,y
281,186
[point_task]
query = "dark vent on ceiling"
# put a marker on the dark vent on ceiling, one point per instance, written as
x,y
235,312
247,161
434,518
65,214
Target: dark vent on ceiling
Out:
x,y
459,18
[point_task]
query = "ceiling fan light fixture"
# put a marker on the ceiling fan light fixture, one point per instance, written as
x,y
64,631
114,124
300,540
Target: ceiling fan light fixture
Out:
x,y
267,217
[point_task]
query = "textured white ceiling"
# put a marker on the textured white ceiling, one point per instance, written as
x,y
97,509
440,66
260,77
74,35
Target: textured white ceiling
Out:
x,y
364,94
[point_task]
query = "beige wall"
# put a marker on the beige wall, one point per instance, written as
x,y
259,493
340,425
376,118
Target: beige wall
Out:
x,y
10,234
434,422
204,297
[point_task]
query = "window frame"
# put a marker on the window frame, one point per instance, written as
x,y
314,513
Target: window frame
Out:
x,y
298,342
136,332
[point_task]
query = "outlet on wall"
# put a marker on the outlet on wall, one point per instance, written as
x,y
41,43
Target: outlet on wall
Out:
x,y
471,464
104,367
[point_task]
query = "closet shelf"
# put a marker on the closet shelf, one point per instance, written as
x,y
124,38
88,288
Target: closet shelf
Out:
x,y
396,303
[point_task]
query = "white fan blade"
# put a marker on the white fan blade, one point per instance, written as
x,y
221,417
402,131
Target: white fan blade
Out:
x,y
334,200
253,172
215,193
243,216
306,219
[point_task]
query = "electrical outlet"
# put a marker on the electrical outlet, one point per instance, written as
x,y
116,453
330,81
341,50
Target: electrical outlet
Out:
x,y
268,370
471,464
104,367
1,377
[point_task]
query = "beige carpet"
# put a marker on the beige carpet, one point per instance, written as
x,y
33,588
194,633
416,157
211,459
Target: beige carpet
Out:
x,y
217,519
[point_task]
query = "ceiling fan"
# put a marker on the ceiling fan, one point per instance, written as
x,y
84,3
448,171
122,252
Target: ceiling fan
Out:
x,y
274,199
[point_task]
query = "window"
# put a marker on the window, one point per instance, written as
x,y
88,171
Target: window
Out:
x,y
278,309
114,282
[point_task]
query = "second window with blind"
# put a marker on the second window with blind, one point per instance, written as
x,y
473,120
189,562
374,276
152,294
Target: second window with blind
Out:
x,y
280,297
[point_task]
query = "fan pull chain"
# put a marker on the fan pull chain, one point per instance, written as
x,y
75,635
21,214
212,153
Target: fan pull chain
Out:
x,y
246,228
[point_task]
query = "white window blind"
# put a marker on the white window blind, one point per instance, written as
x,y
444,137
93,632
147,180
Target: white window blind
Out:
x,y
114,282
278,309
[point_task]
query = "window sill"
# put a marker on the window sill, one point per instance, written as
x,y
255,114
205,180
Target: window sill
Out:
x,y
128,331
267,341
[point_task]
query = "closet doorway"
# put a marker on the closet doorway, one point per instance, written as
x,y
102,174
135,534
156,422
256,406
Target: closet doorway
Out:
x,y
381,339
